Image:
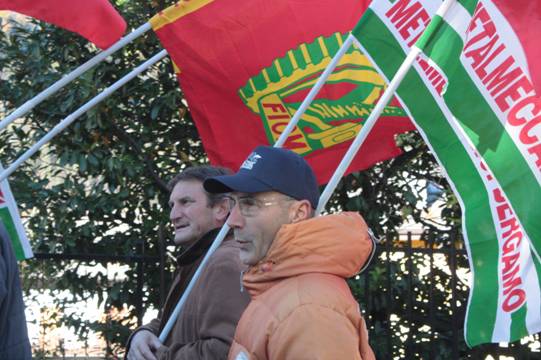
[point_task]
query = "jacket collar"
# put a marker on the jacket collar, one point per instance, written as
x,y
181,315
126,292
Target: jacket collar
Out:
x,y
333,244
197,249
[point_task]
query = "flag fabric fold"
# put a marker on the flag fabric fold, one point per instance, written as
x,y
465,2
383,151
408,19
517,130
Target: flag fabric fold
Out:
x,y
9,215
95,20
470,94
524,16
245,66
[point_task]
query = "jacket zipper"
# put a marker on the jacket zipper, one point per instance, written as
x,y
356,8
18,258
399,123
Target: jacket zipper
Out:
x,y
241,284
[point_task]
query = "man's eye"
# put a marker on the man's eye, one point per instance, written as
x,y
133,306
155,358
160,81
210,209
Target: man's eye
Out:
x,y
247,202
185,202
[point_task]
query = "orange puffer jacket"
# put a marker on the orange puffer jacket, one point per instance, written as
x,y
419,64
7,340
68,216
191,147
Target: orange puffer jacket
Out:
x,y
302,307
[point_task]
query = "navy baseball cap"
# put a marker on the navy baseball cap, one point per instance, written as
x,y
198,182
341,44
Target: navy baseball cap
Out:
x,y
270,169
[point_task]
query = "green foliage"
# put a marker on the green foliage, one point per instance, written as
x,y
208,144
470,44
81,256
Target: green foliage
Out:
x,y
100,186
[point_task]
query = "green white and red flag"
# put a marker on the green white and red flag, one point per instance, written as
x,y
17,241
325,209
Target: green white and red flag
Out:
x,y
470,94
96,20
245,66
9,215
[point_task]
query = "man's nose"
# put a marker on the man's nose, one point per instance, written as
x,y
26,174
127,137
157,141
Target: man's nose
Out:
x,y
175,213
235,219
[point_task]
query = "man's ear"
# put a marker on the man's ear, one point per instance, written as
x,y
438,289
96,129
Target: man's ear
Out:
x,y
221,210
300,210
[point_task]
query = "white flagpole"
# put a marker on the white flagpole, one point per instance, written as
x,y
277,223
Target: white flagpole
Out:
x,y
314,91
215,244
221,235
369,123
73,116
366,128
66,79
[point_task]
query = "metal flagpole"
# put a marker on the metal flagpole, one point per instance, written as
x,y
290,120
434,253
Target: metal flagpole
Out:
x,y
73,116
215,244
30,104
370,122
366,128
314,91
281,140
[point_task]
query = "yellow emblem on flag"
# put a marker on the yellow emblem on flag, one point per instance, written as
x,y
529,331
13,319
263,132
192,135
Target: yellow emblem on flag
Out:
x,y
333,118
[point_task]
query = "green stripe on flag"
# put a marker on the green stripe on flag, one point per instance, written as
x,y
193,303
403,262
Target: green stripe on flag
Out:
x,y
365,23
487,132
428,34
386,52
518,322
469,5
5,216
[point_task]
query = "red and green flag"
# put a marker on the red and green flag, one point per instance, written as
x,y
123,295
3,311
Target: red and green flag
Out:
x,y
246,65
471,95
95,20
9,215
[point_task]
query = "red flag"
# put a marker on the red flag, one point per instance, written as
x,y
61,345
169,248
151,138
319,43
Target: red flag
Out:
x,y
524,16
96,20
246,65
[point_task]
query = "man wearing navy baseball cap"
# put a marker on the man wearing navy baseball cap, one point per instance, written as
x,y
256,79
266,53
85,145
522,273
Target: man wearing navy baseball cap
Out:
x,y
298,264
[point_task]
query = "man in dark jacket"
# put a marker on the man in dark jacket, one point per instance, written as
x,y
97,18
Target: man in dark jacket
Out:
x,y
205,327
14,342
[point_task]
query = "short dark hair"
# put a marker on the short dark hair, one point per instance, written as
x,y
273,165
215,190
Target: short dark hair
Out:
x,y
201,173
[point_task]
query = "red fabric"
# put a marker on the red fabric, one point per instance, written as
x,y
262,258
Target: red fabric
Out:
x,y
96,20
524,16
220,46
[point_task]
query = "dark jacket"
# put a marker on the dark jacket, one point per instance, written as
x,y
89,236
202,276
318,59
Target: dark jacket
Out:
x,y
204,329
14,344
